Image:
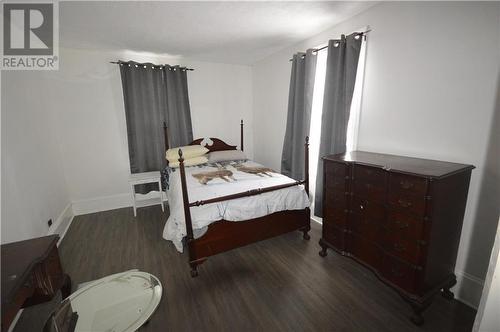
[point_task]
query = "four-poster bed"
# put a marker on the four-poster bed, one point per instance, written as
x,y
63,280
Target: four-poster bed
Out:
x,y
223,235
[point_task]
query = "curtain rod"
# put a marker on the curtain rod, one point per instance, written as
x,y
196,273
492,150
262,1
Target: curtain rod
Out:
x,y
322,48
146,64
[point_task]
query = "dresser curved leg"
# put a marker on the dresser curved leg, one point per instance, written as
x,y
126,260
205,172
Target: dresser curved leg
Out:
x,y
417,319
66,287
446,292
418,309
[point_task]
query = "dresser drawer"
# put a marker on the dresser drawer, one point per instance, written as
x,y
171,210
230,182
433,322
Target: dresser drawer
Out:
x,y
401,184
336,176
369,228
405,226
336,169
48,278
335,183
367,208
335,215
403,248
369,183
370,190
336,198
369,174
334,235
408,203
399,273
366,251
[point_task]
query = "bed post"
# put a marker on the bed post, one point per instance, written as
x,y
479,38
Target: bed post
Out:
x,y
165,135
306,229
241,133
306,166
187,215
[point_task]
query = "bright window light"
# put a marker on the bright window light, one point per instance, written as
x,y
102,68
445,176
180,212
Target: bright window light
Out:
x,y
317,110
354,117
315,129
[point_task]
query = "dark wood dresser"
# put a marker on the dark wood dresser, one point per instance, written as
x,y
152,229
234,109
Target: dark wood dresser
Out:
x,y
399,216
31,274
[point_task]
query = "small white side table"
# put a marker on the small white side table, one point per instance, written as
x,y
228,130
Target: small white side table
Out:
x,y
143,178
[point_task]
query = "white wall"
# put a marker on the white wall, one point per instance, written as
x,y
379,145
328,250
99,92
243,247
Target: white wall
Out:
x,y
487,318
33,182
429,91
85,96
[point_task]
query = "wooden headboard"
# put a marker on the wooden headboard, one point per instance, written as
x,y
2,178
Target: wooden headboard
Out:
x,y
217,143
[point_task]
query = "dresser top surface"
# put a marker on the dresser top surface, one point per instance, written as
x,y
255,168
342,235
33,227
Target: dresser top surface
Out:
x,y
416,166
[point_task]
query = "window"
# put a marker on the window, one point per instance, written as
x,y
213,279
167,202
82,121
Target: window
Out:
x,y
317,109
353,125
315,129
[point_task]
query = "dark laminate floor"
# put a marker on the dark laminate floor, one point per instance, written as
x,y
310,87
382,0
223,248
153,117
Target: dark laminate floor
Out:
x,y
276,285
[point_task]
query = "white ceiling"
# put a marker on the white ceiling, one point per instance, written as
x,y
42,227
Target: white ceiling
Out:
x,y
229,32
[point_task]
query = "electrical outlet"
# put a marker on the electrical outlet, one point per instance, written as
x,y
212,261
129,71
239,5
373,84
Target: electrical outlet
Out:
x,y
49,222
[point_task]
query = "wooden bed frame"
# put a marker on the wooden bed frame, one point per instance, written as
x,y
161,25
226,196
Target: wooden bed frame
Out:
x,y
225,235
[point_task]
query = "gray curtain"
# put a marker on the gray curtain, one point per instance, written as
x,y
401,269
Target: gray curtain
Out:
x,y
299,113
341,68
180,130
153,95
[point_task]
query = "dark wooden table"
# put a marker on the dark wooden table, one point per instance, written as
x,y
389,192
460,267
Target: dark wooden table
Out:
x,y
31,274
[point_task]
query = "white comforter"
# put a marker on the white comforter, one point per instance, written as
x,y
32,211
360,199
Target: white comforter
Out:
x,y
291,198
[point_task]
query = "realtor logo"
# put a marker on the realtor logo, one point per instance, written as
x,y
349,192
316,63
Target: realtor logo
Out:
x,y
30,36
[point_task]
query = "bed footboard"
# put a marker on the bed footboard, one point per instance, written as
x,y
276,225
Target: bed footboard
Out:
x,y
225,235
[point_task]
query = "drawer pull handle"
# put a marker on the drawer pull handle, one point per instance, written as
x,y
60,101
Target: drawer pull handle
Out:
x,y
406,184
399,247
361,207
401,225
404,203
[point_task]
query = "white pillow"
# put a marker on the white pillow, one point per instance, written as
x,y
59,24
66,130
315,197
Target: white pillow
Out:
x,y
189,162
226,155
189,151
